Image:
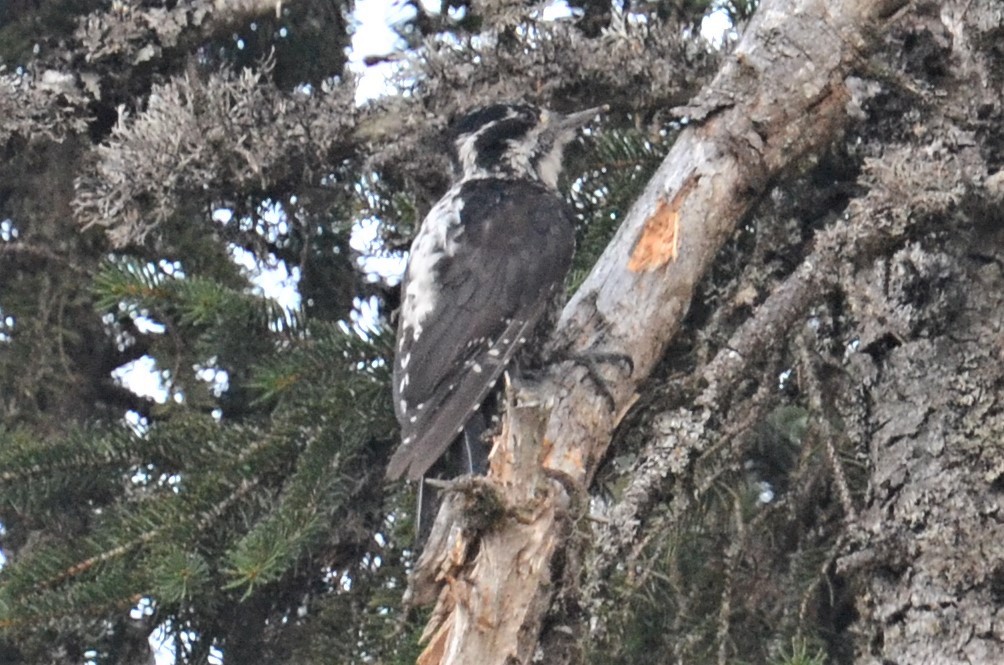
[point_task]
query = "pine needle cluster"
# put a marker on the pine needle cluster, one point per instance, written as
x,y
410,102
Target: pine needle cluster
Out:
x,y
264,496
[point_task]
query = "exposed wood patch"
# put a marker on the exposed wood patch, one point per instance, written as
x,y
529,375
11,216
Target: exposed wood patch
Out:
x,y
660,238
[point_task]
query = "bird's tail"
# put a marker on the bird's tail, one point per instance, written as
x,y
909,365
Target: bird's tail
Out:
x,y
467,455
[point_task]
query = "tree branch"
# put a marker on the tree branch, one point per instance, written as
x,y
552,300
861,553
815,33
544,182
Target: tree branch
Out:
x,y
780,97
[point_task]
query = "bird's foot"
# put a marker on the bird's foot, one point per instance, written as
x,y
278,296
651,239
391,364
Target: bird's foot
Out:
x,y
591,362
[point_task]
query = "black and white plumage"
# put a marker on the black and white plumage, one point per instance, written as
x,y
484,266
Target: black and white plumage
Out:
x,y
483,268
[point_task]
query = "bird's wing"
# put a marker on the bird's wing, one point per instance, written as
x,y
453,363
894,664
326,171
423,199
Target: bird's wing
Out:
x,y
513,247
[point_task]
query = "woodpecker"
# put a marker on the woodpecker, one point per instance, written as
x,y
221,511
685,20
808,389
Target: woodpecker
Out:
x,y
485,265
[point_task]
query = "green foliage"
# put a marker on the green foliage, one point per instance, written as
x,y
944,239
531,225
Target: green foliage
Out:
x,y
201,304
196,511
733,574
801,653
320,487
179,575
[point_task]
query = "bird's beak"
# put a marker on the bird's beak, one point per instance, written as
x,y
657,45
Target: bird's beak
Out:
x,y
573,121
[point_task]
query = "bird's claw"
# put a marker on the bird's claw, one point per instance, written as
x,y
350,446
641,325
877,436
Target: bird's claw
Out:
x,y
590,362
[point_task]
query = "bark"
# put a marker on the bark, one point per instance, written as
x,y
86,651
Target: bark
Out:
x,y
781,96
925,551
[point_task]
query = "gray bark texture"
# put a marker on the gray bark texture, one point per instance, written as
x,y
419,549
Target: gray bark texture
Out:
x,y
901,378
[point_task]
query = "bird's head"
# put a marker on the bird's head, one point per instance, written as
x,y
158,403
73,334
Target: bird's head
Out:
x,y
515,141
